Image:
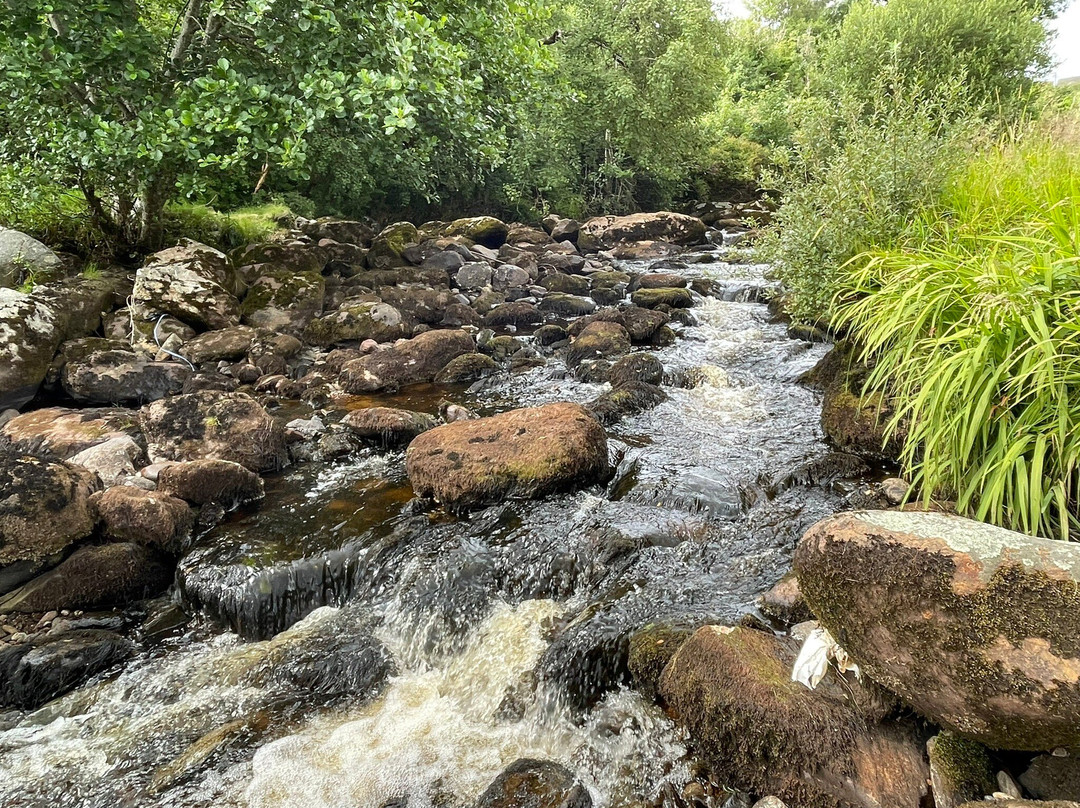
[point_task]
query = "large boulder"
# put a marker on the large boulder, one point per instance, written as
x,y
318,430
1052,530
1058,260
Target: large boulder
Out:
x,y
389,245
599,340
761,732
94,577
30,333
65,432
208,424
49,665
528,783
387,426
604,232
518,454
44,506
112,461
150,518
206,482
284,300
225,343
104,372
194,283
485,230
357,321
976,627
24,258
409,362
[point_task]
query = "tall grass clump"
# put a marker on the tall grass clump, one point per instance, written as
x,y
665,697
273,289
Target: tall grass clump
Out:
x,y
974,326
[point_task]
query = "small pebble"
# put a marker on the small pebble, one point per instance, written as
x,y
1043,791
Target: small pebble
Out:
x,y
1060,752
9,629
46,618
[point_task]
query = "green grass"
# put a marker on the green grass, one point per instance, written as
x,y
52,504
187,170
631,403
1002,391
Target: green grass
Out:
x,y
224,230
974,323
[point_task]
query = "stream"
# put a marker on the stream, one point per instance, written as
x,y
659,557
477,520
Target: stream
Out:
x,y
354,650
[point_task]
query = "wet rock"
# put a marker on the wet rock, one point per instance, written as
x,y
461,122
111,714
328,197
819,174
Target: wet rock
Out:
x,y
528,783
30,332
599,340
644,250
416,360
1004,802
47,666
484,230
225,426
549,335
194,283
976,627
418,303
519,454
94,577
568,284
763,733
651,648
1050,777
637,367
516,314
604,232
566,230
502,348
284,300
651,298
960,770
65,433
467,368
205,482
110,374
357,321
785,603
567,305
642,324
386,426
44,506
661,280
895,490
113,461
629,398
224,344
458,314
509,276
23,257
152,519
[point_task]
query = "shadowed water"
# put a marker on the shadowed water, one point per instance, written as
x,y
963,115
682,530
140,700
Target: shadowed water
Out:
x,y
504,633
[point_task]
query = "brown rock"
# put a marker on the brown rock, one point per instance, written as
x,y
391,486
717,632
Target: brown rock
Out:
x,y
386,426
226,426
527,783
599,340
149,518
605,232
784,602
65,432
518,454
1050,777
226,343
763,733
416,360
976,627
218,482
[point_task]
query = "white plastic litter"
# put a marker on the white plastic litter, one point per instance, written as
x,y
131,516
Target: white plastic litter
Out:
x,y
813,661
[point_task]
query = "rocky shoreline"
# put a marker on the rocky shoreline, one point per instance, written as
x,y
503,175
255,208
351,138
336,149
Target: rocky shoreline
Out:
x,y
141,411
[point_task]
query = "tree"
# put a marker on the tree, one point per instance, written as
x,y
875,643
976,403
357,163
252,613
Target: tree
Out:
x,y
133,101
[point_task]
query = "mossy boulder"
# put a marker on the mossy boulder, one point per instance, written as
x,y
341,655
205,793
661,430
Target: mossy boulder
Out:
x,y
567,284
642,324
485,230
209,424
212,481
387,247
94,577
519,454
564,305
651,649
387,426
516,314
356,321
44,506
1053,777
676,298
960,770
282,299
660,280
467,368
66,432
194,283
628,398
976,627
763,733
599,340
637,367
24,258
149,518
605,232
409,362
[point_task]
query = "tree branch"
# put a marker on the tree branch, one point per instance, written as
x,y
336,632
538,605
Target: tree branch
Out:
x,y
187,33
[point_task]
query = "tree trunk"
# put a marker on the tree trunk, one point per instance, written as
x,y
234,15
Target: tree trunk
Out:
x,y
151,214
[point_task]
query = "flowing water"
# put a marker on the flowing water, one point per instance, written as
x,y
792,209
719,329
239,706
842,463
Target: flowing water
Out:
x,y
503,634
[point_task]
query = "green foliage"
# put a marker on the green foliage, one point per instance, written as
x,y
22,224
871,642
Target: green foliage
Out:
x,y
223,230
133,101
620,127
976,55
972,320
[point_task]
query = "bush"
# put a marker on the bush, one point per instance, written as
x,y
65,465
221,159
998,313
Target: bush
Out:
x,y
223,230
973,323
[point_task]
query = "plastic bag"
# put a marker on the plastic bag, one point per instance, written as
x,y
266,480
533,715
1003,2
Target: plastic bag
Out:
x,y
813,661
